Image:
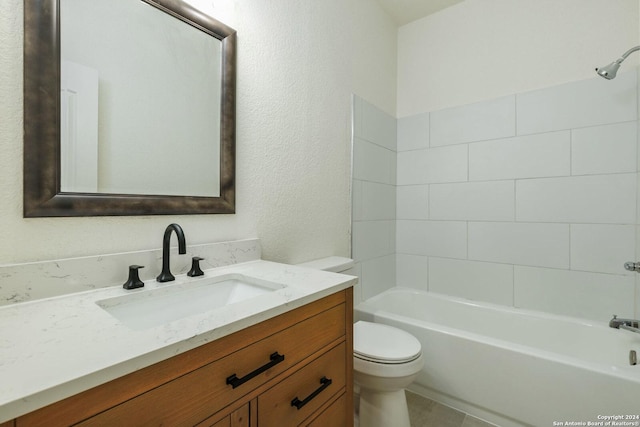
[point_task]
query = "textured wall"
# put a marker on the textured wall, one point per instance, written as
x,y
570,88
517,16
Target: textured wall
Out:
x,y
298,63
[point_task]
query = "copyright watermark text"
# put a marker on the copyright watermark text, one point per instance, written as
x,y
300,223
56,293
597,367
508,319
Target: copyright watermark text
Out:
x,y
603,420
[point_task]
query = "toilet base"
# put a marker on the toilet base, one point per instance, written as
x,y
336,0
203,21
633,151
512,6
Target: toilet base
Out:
x,y
383,408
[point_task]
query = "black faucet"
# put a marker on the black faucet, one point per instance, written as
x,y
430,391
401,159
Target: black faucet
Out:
x,y
166,275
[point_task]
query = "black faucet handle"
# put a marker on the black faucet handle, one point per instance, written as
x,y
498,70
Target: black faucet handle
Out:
x,y
195,267
133,281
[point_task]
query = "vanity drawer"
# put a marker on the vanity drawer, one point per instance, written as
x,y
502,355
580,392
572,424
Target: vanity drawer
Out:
x,y
310,387
195,396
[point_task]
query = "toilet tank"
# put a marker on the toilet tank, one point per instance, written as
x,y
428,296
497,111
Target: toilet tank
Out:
x,y
335,264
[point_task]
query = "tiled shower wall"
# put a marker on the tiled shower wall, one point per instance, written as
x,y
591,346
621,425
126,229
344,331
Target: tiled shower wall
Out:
x,y
374,198
527,200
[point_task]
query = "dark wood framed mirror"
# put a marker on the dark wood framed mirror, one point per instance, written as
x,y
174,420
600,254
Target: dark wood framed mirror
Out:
x,y
44,192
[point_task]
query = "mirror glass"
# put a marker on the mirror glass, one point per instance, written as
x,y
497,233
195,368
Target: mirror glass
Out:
x,y
140,101
129,109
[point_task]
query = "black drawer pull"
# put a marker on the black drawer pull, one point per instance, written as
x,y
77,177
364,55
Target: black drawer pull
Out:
x,y
234,381
326,382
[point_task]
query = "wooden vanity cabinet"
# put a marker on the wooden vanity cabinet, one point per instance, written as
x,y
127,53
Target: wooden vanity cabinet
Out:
x,y
294,369
241,417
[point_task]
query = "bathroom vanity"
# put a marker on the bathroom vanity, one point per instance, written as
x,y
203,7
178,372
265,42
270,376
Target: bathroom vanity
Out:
x,y
279,359
192,389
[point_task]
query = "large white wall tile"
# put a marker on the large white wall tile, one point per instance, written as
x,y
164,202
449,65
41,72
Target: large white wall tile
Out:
x,y
411,237
394,169
574,293
378,127
594,198
378,201
433,238
413,132
604,149
638,205
378,275
372,239
637,276
412,271
373,163
544,245
584,103
475,122
412,167
356,200
531,156
443,164
481,281
482,201
602,248
637,305
412,202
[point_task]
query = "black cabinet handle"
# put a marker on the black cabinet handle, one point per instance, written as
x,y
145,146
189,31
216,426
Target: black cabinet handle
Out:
x,y
234,381
326,382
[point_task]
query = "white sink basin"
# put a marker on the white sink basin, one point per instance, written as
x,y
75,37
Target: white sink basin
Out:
x,y
144,309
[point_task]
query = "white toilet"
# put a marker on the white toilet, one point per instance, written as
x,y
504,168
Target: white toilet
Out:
x,y
385,361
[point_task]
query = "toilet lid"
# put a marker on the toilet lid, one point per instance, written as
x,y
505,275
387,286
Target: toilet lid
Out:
x,y
378,342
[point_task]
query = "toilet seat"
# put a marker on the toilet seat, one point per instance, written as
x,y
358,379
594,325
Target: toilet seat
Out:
x,y
379,343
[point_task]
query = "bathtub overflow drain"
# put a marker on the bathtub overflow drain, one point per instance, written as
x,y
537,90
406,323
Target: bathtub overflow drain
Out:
x,y
633,358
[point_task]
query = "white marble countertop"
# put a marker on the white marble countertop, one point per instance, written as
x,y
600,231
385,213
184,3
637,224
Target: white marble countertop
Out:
x,y
56,347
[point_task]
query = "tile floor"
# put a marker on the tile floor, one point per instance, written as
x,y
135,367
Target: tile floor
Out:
x,y
424,412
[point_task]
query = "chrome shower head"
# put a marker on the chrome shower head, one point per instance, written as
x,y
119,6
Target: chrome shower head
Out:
x,y
609,71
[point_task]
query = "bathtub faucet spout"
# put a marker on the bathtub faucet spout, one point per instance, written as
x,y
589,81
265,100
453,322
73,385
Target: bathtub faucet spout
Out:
x,y
630,328
632,325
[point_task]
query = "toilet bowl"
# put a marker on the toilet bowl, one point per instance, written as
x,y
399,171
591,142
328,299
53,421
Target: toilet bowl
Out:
x,y
385,361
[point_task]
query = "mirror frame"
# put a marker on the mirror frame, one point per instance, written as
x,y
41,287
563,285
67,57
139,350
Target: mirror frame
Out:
x,y
42,195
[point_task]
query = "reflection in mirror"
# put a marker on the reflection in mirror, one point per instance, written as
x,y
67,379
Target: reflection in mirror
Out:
x,y
129,109
157,136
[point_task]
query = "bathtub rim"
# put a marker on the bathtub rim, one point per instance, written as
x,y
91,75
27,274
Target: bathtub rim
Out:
x,y
485,304
626,372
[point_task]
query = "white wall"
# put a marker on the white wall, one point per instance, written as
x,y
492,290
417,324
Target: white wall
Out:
x,y
480,49
298,63
375,56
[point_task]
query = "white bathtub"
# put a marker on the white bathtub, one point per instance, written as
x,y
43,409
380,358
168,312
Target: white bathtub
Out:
x,y
515,367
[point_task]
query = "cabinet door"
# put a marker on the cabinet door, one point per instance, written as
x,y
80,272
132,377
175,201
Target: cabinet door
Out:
x,y
238,418
225,422
333,416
